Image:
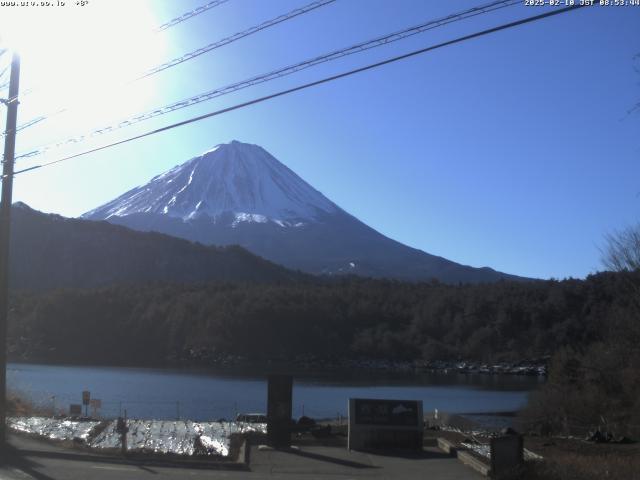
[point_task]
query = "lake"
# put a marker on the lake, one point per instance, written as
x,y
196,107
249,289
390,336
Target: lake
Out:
x,y
212,394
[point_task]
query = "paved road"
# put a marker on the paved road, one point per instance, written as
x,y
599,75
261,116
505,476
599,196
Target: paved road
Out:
x,y
41,461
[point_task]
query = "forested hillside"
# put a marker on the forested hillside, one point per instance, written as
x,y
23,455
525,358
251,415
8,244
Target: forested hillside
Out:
x,y
346,318
50,251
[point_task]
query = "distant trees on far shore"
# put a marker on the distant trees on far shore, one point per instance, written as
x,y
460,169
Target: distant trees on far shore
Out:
x,y
591,327
344,318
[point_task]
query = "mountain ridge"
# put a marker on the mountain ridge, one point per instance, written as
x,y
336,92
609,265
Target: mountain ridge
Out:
x,y
253,200
245,179
49,251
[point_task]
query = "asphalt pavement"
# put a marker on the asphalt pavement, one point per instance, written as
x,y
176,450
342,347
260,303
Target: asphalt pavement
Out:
x,y
33,459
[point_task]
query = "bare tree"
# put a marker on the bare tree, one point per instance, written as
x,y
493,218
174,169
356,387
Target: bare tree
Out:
x,y
622,251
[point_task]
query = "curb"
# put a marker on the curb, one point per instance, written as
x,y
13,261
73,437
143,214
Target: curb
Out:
x,y
241,462
446,446
243,455
238,464
464,456
471,461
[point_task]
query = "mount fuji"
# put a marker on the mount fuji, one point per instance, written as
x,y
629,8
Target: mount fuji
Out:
x,y
238,193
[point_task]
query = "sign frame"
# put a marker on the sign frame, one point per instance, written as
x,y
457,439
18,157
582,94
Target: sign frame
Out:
x,y
385,424
75,409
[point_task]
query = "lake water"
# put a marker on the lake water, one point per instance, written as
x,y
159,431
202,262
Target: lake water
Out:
x,y
212,394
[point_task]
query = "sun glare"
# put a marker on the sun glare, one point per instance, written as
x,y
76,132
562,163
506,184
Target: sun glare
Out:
x,y
82,55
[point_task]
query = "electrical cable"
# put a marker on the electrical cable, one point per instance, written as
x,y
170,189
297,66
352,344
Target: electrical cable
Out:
x,y
191,14
196,53
170,23
4,70
363,46
237,36
313,84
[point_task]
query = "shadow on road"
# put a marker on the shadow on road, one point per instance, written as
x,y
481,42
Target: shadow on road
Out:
x,y
15,458
407,454
326,458
142,463
148,470
27,454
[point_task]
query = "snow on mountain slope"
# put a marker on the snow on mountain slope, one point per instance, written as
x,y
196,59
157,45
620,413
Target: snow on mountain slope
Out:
x,y
236,178
238,194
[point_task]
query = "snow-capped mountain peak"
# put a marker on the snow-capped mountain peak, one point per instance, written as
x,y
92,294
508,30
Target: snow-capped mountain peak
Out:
x,y
233,178
238,194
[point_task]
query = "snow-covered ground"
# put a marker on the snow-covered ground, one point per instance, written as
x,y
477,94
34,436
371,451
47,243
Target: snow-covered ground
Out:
x,y
158,436
53,428
483,449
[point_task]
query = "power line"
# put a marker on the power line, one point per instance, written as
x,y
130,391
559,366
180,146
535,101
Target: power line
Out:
x,y
191,14
170,23
200,51
312,84
360,47
237,36
4,70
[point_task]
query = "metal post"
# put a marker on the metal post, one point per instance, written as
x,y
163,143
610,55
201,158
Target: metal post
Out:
x,y
123,433
5,230
279,406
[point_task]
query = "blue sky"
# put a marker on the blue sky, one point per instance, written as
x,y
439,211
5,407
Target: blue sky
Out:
x,y
513,151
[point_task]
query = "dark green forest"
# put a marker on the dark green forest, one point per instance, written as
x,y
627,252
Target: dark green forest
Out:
x,y
589,328
350,318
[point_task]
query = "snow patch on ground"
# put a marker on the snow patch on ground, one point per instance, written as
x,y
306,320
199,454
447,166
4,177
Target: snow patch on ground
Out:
x,y
248,217
180,437
53,428
484,450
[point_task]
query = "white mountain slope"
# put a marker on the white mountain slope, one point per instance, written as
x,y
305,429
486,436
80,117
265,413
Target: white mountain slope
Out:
x,y
238,193
236,178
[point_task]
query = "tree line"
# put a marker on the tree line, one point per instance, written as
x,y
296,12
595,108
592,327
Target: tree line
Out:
x,y
160,323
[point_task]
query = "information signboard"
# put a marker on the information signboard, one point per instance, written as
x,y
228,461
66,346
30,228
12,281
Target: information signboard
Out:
x,y
75,409
385,424
386,412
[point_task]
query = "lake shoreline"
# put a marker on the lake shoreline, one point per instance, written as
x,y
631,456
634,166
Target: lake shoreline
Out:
x,y
528,367
214,393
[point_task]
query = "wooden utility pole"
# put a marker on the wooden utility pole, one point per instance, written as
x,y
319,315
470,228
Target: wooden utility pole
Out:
x,y
5,230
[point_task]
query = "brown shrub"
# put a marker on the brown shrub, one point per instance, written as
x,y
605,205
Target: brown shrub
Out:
x,y
19,405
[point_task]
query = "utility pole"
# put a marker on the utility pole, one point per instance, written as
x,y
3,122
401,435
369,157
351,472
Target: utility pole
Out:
x,y
5,229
